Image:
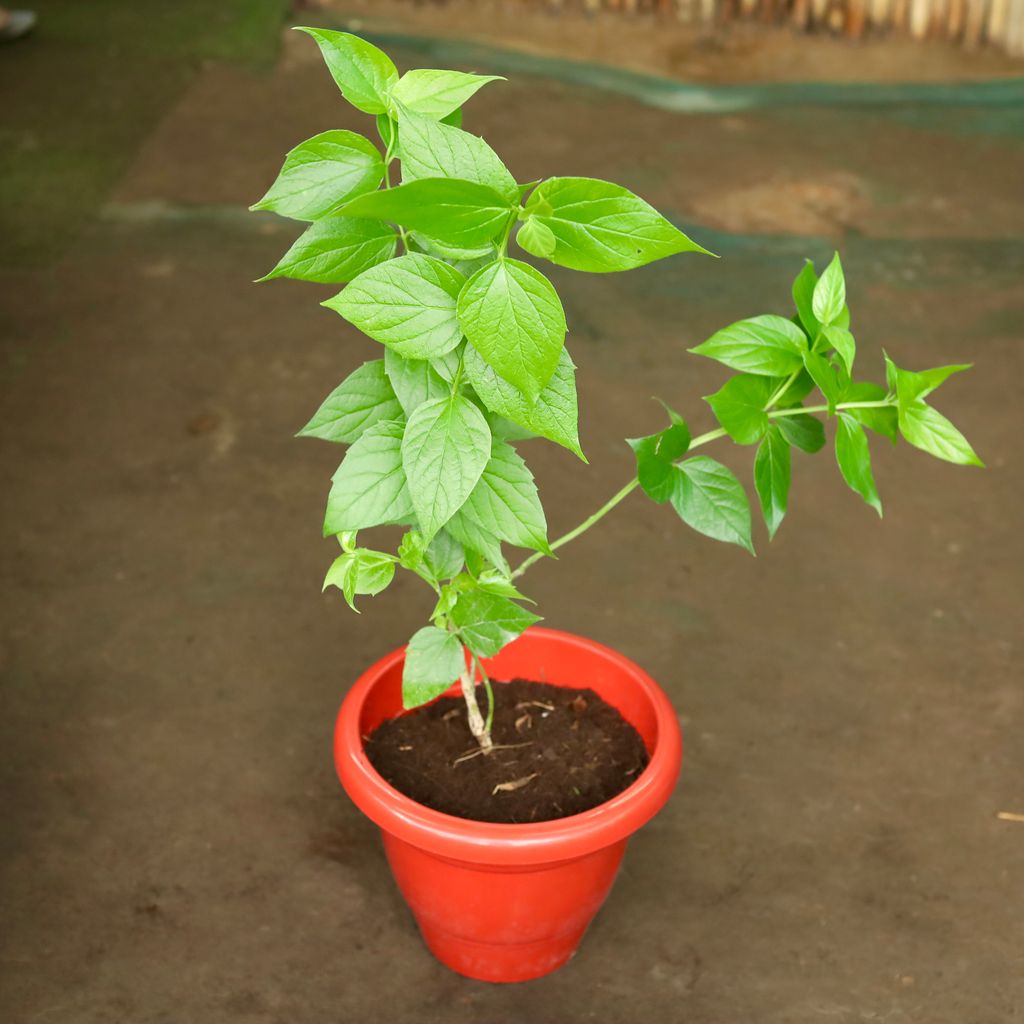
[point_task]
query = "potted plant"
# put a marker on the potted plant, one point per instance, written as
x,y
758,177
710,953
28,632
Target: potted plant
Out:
x,y
505,808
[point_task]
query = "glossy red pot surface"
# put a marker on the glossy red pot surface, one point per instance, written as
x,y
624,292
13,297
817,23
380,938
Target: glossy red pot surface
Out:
x,y
511,902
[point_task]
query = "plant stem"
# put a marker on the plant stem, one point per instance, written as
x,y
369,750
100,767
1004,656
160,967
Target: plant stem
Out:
x,y
506,232
490,695
477,726
614,500
797,410
702,439
785,386
388,157
587,523
697,442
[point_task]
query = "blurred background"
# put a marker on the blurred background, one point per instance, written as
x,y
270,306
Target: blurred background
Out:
x,y
847,841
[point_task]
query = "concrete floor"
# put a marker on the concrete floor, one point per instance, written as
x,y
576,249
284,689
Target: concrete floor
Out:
x,y
175,846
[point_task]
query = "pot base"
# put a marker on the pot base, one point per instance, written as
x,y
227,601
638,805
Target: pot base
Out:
x,y
505,925
488,961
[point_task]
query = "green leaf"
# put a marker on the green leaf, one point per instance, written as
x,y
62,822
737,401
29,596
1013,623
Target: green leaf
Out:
x,y
458,257
922,426
408,304
830,293
446,446
387,129
453,211
434,150
655,455
412,552
600,227
710,499
674,440
441,559
801,387
418,380
824,376
492,581
321,174
369,486
375,572
363,398
360,572
506,430
438,93
553,415
487,622
803,298
336,249
771,477
444,556
364,74
882,420
739,406
654,474
474,538
909,385
537,238
513,317
843,342
434,660
927,429
343,575
505,502
769,346
854,458
802,431
928,380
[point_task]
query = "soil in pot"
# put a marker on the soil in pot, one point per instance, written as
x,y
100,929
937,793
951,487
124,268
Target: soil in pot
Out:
x,y
558,751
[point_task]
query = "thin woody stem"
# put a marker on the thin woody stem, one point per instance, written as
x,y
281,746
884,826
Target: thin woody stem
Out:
x,y
477,726
614,500
697,442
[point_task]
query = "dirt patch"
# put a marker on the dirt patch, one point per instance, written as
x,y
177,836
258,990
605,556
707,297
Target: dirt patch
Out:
x,y
558,751
664,46
824,206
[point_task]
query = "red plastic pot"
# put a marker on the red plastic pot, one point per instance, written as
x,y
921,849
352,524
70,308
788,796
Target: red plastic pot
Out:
x,y
511,902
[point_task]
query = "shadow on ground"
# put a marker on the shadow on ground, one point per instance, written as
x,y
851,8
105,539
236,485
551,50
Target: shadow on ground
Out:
x,y
175,846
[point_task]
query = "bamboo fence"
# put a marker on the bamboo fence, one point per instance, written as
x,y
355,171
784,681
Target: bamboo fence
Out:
x,y
970,23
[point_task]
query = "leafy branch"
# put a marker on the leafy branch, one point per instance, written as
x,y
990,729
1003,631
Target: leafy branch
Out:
x,y
474,362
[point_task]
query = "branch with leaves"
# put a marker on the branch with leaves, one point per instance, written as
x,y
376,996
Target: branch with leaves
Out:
x,y
474,361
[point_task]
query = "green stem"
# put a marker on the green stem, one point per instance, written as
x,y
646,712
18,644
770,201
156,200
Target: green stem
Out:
x,y
786,385
587,523
457,379
388,157
697,442
614,500
799,410
506,234
490,693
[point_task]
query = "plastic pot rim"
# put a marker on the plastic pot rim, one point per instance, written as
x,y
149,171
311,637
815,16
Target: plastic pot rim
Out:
x,y
501,845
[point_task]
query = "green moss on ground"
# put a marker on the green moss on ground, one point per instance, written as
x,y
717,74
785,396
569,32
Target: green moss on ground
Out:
x,y
82,94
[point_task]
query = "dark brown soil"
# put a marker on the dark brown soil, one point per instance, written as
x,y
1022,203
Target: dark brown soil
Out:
x,y
557,752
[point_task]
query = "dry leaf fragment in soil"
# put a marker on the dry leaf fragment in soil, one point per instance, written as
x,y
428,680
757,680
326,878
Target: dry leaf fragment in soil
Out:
x,y
508,787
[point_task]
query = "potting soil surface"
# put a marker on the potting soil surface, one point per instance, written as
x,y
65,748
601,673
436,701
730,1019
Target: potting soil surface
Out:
x,y
557,751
